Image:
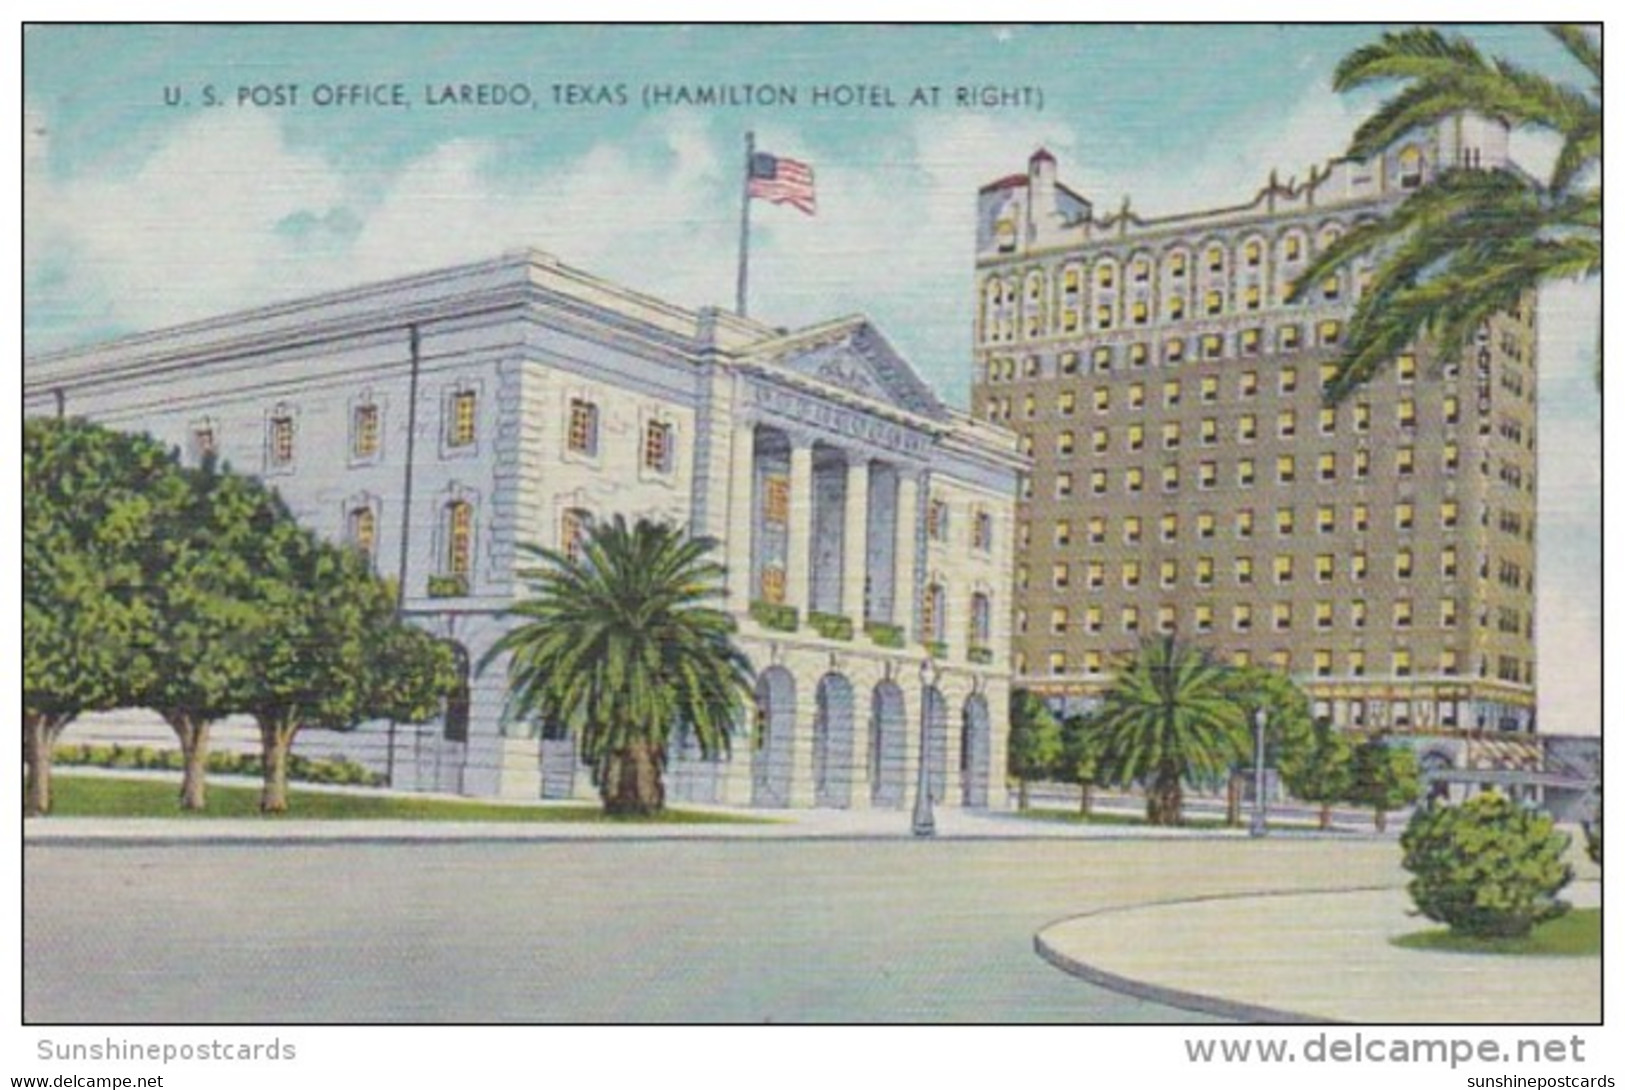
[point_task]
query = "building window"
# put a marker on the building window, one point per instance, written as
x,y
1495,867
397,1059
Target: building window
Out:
x,y
1447,613
1134,478
1131,573
1213,302
1096,574
1059,619
1323,615
574,526
1410,168
1244,523
1060,574
1405,461
1357,567
1362,464
982,532
1327,466
1362,518
460,433
1245,472
1170,393
1067,403
281,439
1103,399
1283,569
1286,468
1063,532
1210,431
1323,664
1130,619
1241,617
1212,346
1140,312
1103,317
1402,613
1405,367
1136,395
1248,383
1099,440
1170,526
1286,423
1405,414
773,585
205,443
583,435
1449,514
1253,297
1244,571
1136,437
1251,339
1168,571
1174,349
1404,564
1176,264
1282,616
1324,567
1204,571
936,518
364,431
776,499
1097,482
362,530
1131,529
1404,515
1448,565
1207,475
1215,258
1289,338
459,558
1165,619
1204,618
1285,521
1138,353
1170,478
1063,489
1063,443
1176,307
1326,519
1402,662
1253,253
1097,529
1452,409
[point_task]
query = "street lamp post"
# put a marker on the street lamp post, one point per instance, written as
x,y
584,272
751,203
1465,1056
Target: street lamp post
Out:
x,y
1259,826
924,823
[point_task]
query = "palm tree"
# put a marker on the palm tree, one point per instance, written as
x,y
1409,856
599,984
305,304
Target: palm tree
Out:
x,y
1169,716
624,643
1472,242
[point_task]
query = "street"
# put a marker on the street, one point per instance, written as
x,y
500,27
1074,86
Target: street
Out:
x,y
618,930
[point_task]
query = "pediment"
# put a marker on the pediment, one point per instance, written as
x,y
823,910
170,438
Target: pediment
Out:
x,y
861,361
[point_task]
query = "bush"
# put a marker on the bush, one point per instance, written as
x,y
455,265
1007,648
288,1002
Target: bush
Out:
x,y
337,770
1488,868
1593,830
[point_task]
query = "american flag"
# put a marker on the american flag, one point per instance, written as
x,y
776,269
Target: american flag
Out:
x,y
782,181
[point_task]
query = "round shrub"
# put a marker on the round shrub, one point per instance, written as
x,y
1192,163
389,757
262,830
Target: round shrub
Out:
x,y
1488,867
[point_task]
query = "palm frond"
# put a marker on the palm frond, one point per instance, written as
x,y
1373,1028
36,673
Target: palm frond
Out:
x,y
1581,45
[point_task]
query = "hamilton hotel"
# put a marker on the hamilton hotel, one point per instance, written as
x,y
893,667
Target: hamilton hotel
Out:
x,y
1189,479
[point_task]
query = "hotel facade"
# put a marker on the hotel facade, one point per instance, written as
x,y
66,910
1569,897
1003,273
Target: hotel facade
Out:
x,y
438,422
1189,478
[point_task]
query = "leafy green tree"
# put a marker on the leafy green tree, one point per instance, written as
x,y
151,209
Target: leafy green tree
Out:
x,y
1488,867
1034,745
1472,242
1593,831
331,651
205,591
93,500
1323,772
1079,761
1170,716
1385,777
627,643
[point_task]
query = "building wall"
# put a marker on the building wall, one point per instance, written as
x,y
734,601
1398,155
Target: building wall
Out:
x,y
1189,477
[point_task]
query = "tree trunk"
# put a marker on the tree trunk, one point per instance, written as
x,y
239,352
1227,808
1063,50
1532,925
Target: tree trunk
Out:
x,y
194,738
1165,802
1232,802
276,739
1381,820
1021,794
1085,797
633,784
1325,815
40,733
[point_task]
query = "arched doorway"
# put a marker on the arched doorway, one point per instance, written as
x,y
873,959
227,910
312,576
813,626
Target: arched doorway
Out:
x,y
770,755
832,743
975,752
887,746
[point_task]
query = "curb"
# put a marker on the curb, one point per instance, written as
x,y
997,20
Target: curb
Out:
x,y
1199,1002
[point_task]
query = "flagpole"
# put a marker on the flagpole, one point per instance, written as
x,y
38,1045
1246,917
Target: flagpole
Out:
x,y
744,222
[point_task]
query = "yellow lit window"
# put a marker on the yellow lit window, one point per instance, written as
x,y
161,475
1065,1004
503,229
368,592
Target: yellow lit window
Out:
x,y
1241,659
1357,566
1067,403
1165,618
1212,346
1169,572
1106,275
1210,388
1323,663
1204,618
1064,442
1250,340
1281,660
1362,464
1286,423
1254,253
1452,409
776,499
1357,613
1174,349
1248,383
1208,474
1253,297
1405,413
1029,406
1215,258
1204,571
1362,518
364,432
1402,662
1213,302
1405,367
1294,247
1332,286
1097,481
1140,311
1131,573
1210,431
1244,570
1103,358
1099,440
1324,566
1063,532
1176,307
462,419
1326,518
1447,613
1097,578
1137,353
1283,569
1448,664
1289,380
1205,524
1058,620
1452,456
1282,615
1328,421
1328,372
1093,662
1103,399
1103,317
1245,473
657,447
1063,485
1136,395
1405,461
1070,280
1289,338
1327,466
1129,618
281,440
1170,435
1447,562
1285,521
364,529
1141,270
1247,427
1362,416
1244,523
1176,263
459,537
1136,436
1060,575
1357,664
1323,615
1097,528
1404,515
1286,468
1134,478
1404,564
1241,617
583,437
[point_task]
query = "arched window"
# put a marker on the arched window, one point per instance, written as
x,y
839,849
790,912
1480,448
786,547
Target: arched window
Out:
x,y
574,526
981,619
1410,167
455,727
459,555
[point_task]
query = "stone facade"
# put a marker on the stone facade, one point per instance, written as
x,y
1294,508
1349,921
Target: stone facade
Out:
x,y
442,421
1188,477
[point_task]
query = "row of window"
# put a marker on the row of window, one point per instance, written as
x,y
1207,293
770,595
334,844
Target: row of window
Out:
x,y
937,520
1283,568
458,432
1204,617
1096,529
1401,663
1105,359
1246,430
1246,472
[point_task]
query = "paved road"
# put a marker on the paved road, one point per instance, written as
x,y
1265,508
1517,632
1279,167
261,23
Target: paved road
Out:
x,y
736,931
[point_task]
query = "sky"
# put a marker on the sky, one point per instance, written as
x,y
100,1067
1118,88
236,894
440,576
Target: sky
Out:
x,y
139,214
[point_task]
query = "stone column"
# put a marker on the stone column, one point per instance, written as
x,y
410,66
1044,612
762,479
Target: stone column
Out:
x,y
855,541
741,520
905,598
798,555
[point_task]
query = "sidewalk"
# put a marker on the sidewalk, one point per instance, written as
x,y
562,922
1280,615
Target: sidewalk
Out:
x,y
1318,957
